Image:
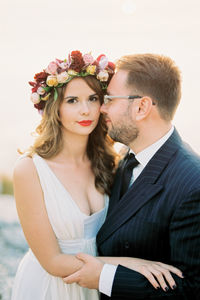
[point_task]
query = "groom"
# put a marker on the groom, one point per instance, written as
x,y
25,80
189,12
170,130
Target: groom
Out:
x,y
154,210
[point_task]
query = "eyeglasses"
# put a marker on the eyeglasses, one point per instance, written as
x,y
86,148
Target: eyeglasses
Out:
x,y
108,99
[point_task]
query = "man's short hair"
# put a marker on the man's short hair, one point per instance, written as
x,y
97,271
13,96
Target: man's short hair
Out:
x,y
155,76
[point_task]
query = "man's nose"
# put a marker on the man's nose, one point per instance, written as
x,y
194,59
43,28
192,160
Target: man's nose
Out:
x,y
103,109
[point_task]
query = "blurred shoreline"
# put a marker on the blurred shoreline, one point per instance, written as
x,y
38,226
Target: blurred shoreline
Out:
x,y
12,245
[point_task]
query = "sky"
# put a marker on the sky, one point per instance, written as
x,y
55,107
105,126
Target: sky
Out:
x,y
34,33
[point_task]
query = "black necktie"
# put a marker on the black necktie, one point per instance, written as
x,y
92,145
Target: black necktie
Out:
x,y
127,174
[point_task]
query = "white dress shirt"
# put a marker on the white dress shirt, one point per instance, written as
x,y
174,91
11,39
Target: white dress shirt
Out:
x,y
143,157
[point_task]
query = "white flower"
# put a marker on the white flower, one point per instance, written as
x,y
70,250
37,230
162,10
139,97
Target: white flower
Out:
x,y
62,77
35,98
103,62
63,65
41,90
103,75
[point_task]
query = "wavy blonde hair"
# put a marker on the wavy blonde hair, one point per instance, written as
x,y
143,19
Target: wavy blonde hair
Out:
x,y
49,141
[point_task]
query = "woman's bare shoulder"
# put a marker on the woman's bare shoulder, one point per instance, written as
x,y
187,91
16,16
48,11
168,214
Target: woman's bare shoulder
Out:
x,y
24,167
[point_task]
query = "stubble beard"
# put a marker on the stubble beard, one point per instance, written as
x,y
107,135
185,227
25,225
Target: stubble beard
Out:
x,y
125,131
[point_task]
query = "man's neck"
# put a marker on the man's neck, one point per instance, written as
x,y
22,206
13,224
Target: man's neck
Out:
x,y
148,137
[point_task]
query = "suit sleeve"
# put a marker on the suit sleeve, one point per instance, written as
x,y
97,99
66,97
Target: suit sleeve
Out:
x,y
184,238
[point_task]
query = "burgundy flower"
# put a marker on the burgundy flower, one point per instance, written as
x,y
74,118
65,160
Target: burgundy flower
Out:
x,y
77,61
40,105
39,77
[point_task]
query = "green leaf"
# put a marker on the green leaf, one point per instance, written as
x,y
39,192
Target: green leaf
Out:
x,y
60,84
104,85
84,74
47,88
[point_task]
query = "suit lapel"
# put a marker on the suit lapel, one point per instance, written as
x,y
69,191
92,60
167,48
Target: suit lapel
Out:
x,y
143,189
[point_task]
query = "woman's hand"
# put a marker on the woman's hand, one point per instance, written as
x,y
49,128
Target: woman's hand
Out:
x,y
157,273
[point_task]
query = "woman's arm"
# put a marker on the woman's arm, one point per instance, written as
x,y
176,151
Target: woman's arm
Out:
x,y
35,223
149,269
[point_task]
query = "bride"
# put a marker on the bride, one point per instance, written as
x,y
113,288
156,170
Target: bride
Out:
x,y
62,183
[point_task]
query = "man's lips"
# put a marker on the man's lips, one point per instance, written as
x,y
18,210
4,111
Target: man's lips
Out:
x,y
85,122
108,121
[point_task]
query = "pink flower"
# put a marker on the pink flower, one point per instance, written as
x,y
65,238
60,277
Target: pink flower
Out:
x,y
41,90
35,98
52,68
41,111
88,59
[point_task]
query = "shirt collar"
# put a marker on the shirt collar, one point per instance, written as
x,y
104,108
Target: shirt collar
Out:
x,y
145,155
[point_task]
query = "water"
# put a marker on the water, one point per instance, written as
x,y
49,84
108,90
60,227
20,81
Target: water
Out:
x,y
12,245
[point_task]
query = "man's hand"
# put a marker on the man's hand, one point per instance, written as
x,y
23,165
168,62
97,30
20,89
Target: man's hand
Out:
x,y
88,276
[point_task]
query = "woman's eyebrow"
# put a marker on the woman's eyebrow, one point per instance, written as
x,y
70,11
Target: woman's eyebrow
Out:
x,y
71,97
93,95
76,97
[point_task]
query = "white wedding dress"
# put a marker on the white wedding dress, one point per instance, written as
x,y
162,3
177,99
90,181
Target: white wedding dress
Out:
x,y
75,232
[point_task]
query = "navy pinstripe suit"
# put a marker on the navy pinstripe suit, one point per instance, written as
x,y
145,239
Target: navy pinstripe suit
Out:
x,y
157,219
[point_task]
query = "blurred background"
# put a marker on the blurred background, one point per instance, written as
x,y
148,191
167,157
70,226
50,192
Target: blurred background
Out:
x,y
35,32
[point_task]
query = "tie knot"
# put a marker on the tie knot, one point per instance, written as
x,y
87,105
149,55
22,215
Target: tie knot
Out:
x,y
132,162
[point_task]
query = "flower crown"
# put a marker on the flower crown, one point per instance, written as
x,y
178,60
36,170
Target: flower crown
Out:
x,y
60,72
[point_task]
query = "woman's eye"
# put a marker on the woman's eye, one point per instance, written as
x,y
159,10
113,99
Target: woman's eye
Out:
x,y
72,100
94,98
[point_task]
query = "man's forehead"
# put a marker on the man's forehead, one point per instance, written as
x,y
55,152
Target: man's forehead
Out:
x,y
118,82
120,75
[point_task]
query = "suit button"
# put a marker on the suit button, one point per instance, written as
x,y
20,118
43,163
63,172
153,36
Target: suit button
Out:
x,y
127,246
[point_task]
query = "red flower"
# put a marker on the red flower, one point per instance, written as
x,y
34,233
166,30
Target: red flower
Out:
x,y
111,65
31,83
40,105
39,77
34,89
77,61
35,86
99,57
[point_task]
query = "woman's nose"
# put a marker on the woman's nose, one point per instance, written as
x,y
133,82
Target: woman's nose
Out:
x,y
85,108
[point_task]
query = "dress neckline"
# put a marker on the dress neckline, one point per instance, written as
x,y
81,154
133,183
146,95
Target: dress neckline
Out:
x,y
64,188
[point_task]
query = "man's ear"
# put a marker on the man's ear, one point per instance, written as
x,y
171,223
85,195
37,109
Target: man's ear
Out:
x,y
143,108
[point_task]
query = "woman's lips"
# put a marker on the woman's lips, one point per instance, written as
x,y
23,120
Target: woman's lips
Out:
x,y
85,123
